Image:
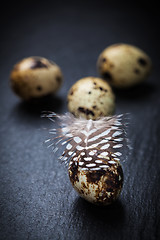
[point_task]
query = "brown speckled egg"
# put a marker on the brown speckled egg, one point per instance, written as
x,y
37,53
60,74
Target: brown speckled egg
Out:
x,y
124,65
91,98
35,77
101,186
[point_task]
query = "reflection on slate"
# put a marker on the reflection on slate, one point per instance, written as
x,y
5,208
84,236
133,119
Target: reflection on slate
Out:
x,y
37,200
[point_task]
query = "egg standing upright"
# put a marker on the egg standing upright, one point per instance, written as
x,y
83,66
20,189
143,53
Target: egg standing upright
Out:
x,y
92,150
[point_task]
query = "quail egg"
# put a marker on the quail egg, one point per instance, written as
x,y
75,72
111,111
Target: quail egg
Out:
x,y
91,98
35,77
102,186
124,65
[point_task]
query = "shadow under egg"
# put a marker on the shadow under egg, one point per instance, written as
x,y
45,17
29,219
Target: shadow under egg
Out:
x,y
114,212
28,111
107,220
139,92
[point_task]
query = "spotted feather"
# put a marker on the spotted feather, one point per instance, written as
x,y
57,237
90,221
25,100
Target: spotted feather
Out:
x,y
92,144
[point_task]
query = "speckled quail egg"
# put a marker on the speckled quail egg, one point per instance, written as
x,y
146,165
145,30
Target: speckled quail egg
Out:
x,y
102,186
124,65
91,98
35,77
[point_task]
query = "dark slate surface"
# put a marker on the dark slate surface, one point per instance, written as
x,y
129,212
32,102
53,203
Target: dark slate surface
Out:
x,y
36,197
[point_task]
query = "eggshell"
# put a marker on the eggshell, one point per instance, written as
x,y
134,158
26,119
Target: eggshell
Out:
x,y
101,187
124,65
91,98
35,77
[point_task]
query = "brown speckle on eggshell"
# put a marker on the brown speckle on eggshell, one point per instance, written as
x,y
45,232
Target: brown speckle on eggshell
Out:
x,y
101,187
124,65
35,77
86,95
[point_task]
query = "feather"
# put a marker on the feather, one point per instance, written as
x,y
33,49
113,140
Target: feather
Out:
x,y
90,143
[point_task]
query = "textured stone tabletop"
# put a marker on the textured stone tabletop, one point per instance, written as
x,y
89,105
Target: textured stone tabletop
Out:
x,y
37,200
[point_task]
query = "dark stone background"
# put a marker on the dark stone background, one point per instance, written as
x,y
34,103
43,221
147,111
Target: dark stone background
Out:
x,y
37,200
